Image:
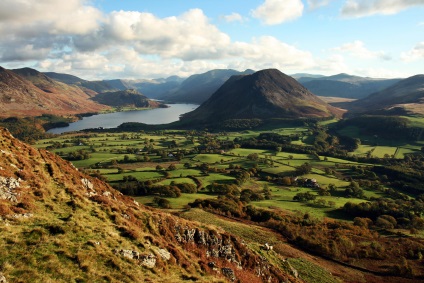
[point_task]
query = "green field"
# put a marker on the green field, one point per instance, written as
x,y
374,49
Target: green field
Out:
x,y
119,155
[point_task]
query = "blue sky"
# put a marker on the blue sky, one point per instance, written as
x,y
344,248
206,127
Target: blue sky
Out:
x,y
137,39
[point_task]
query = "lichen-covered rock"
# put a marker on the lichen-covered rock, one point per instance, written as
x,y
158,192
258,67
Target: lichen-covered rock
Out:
x,y
7,187
200,237
87,184
229,273
164,254
148,261
128,253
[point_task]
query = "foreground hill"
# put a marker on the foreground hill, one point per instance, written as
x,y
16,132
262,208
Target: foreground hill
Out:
x,y
344,85
406,96
60,225
27,92
198,88
126,98
263,95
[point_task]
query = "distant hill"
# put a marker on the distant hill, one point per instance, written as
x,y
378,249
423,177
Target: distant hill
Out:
x,y
27,92
198,88
265,94
157,88
344,85
129,97
406,96
90,87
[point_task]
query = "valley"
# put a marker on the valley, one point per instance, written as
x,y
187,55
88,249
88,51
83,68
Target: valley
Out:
x,y
231,173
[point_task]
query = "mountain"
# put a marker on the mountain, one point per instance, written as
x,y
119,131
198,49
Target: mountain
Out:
x,y
27,92
264,94
126,98
198,88
344,85
406,96
90,87
157,88
61,225
297,76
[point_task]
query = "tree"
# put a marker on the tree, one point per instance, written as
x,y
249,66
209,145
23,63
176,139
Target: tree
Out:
x,y
304,197
172,167
162,202
304,169
158,167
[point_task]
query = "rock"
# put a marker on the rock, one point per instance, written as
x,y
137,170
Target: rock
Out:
x,y
190,235
107,194
164,254
148,261
229,273
87,184
128,253
7,187
2,278
200,237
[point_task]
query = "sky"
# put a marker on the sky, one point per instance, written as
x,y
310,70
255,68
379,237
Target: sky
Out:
x,y
145,39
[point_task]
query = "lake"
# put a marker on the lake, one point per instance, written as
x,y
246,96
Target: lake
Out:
x,y
111,120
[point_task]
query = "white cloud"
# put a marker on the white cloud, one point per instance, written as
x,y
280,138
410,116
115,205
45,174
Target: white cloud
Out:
x,y
273,12
315,4
417,53
363,8
357,49
380,73
233,17
48,16
269,50
189,36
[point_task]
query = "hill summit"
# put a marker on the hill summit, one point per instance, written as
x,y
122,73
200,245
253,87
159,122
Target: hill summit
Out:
x,y
265,94
60,225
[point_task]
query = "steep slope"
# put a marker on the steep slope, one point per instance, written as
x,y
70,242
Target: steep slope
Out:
x,y
20,97
129,98
57,97
60,225
264,94
198,88
404,96
344,85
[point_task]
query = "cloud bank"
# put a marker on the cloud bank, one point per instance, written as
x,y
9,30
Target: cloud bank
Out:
x,y
363,8
274,12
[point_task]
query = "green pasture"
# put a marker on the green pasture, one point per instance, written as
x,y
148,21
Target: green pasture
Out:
x,y
177,181
211,158
246,152
140,175
176,203
288,155
215,178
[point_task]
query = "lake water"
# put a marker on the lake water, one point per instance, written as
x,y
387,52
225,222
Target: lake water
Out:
x,y
112,120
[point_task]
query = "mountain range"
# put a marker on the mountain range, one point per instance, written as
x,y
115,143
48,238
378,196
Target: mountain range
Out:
x,y
344,85
27,92
263,95
404,97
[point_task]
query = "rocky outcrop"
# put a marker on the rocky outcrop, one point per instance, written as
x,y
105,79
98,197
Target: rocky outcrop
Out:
x,y
7,188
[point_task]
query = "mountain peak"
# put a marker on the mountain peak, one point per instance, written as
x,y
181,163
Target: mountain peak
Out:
x,y
264,94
